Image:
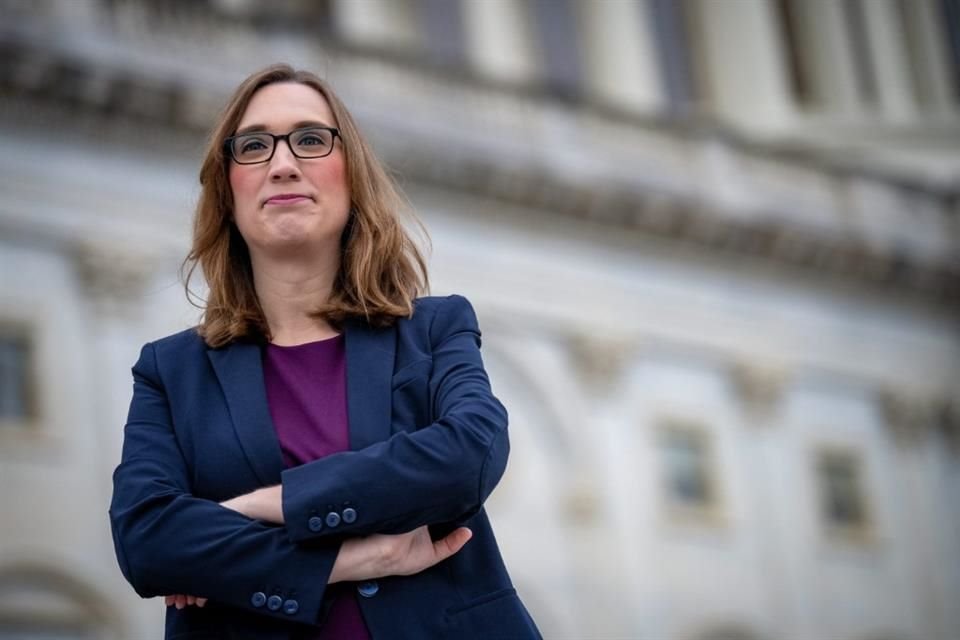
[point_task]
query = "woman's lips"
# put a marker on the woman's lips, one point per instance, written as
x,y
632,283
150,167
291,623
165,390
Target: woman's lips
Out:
x,y
286,199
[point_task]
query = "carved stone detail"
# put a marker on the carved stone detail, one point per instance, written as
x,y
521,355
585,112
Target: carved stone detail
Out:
x,y
948,420
910,416
600,361
759,385
113,278
581,503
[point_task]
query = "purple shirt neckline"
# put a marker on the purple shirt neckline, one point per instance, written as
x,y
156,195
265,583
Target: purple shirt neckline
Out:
x,y
312,343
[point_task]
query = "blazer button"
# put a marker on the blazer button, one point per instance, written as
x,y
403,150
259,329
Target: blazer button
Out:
x,y
333,519
290,607
368,589
349,515
274,603
258,599
315,523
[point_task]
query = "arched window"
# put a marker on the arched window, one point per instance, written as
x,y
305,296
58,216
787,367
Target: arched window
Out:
x,y
40,604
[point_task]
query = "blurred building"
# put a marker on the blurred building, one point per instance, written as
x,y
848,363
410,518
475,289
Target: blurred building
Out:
x,y
714,246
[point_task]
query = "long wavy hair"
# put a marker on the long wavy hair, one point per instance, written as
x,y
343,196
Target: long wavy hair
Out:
x,y
382,269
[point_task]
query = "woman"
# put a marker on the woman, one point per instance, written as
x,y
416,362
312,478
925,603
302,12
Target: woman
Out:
x,y
312,460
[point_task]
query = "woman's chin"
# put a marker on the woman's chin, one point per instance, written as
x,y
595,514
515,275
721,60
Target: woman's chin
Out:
x,y
288,246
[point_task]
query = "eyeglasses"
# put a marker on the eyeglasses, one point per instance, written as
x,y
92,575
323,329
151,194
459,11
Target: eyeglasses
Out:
x,y
308,142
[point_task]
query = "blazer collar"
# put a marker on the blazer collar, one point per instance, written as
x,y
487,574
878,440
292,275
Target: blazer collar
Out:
x,y
239,368
370,360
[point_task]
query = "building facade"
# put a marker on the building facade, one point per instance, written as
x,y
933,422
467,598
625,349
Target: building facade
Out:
x,y
714,246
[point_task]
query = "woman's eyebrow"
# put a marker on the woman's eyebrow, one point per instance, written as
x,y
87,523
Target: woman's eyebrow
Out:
x,y
257,128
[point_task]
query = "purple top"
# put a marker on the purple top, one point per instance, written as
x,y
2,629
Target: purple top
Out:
x,y
307,396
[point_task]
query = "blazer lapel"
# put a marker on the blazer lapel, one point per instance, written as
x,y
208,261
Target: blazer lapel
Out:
x,y
240,371
370,360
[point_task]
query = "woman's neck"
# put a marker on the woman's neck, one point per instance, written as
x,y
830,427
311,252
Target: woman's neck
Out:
x,y
288,294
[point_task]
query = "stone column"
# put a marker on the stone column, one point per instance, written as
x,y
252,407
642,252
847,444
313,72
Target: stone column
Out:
x,y
742,63
112,276
620,56
594,530
886,37
928,37
500,42
913,418
113,281
378,23
827,47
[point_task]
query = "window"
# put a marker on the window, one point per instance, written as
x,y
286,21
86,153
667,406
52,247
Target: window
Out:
x,y
687,472
16,402
842,504
40,604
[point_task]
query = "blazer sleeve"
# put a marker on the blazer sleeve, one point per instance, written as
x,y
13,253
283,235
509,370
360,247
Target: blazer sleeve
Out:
x,y
440,473
168,541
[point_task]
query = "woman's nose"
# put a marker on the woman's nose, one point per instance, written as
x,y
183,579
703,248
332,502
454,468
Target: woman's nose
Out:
x,y
284,165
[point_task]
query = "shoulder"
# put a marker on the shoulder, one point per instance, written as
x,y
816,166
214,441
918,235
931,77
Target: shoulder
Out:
x,y
183,346
430,305
433,312
182,342
435,319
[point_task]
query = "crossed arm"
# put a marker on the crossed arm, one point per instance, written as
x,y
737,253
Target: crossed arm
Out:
x,y
360,558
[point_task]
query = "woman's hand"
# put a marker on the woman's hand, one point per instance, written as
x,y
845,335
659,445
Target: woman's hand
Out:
x,y
405,554
180,600
264,504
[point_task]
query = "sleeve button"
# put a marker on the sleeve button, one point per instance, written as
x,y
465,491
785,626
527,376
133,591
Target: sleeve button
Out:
x,y
258,599
368,589
315,523
290,607
349,515
274,603
333,519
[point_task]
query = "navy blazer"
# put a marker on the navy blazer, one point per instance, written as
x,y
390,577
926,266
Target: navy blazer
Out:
x,y
428,443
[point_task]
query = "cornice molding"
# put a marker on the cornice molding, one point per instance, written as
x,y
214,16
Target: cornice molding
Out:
x,y
695,223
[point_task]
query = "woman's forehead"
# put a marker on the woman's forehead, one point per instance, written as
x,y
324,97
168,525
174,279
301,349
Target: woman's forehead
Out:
x,y
283,104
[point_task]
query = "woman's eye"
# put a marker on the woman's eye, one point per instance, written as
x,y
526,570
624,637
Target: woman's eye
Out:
x,y
249,146
311,139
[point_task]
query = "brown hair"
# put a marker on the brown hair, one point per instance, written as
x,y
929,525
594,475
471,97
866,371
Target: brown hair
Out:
x,y
381,271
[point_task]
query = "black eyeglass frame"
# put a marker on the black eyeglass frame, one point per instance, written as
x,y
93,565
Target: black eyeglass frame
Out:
x,y
228,143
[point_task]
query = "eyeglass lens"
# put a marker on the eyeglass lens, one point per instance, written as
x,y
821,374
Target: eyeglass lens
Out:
x,y
304,143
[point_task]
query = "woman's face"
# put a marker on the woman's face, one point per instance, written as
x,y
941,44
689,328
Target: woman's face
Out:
x,y
290,207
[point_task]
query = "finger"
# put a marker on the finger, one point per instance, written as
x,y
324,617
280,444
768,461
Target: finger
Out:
x,y
181,601
191,599
201,602
168,600
452,543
